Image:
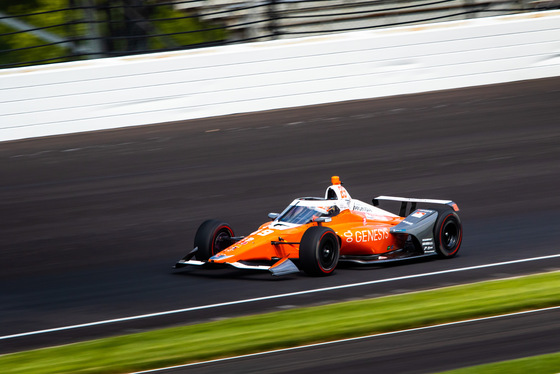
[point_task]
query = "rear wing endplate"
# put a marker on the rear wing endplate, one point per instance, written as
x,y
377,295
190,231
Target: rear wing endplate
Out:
x,y
405,200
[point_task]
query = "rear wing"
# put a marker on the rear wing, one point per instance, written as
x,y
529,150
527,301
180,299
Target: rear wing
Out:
x,y
405,200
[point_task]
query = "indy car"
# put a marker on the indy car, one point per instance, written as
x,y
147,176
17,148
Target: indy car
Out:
x,y
315,234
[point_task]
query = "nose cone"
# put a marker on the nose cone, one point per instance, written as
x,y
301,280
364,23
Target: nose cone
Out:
x,y
249,248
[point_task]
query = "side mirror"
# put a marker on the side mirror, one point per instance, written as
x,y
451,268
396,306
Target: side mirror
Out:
x,y
273,216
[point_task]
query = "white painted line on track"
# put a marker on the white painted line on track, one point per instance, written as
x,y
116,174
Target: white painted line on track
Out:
x,y
271,297
349,340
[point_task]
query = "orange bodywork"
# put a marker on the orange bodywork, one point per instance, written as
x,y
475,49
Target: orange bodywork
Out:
x,y
352,231
359,233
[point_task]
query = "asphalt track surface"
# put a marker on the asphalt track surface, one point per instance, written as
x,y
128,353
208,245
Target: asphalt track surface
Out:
x,y
92,223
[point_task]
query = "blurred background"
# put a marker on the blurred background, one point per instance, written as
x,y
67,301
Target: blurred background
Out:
x,y
91,222
46,31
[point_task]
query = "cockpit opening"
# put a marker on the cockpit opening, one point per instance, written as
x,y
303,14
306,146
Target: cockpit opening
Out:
x,y
302,214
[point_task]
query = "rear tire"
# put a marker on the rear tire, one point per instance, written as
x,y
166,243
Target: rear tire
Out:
x,y
448,233
319,251
212,236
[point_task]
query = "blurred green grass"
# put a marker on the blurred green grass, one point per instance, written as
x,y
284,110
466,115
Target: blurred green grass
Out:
x,y
243,335
543,364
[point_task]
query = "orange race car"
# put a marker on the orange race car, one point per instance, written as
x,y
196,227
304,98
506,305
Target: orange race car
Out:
x,y
314,234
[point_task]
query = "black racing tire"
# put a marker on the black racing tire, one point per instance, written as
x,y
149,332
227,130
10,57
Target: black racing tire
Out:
x,y
212,236
448,233
319,250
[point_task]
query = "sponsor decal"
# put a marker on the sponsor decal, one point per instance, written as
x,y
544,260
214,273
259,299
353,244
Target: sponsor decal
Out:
x,y
419,214
361,208
428,245
245,241
238,244
256,232
265,232
363,236
343,192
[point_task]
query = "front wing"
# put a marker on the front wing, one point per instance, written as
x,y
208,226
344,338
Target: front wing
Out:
x,y
281,267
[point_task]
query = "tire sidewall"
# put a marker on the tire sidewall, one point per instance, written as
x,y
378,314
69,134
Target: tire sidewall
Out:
x,y
312,248
448,225
206,236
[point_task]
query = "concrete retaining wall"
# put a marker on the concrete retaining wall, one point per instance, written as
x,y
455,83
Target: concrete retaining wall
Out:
x,y
128,91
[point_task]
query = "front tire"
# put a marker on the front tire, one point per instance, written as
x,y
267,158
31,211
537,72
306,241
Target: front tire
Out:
x,y
212,236
319,251
448,234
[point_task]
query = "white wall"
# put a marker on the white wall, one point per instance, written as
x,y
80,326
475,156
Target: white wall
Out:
x,y
117,92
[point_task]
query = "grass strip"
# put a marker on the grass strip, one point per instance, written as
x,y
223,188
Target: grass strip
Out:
x,y
289,328
543,364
